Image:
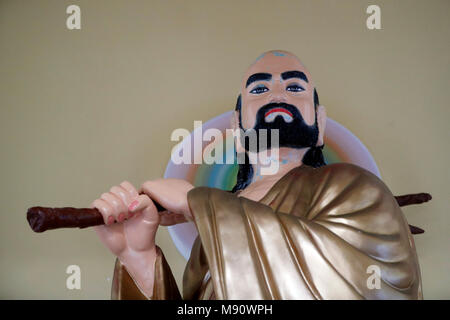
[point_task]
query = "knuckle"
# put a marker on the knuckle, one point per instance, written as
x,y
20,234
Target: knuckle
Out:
x,y
121,194
113,201
128,187
96,203
104,196
126,184
114,189
117,190
104,210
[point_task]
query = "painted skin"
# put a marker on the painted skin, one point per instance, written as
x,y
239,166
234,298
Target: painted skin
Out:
x,y
131,218
131,222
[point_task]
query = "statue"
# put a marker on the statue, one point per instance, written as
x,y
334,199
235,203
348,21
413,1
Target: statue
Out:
x,y
309,231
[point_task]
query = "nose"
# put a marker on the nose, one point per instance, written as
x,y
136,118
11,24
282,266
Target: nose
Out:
x,y
278,94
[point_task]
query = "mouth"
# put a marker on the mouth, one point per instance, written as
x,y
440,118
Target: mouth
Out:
x,y
271,115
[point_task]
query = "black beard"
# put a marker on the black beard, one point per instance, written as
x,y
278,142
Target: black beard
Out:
x,y
295,134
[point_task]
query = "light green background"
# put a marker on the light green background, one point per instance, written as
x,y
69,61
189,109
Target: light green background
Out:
x,y
83,110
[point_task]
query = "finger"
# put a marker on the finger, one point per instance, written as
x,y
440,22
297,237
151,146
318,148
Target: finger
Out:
x,y
144,204
105,209
130,189
159,194
125,200
122,194
115,201
148,186
145,223
169,193
120,211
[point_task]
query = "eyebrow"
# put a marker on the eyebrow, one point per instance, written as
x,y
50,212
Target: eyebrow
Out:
x,y
294,74
258,77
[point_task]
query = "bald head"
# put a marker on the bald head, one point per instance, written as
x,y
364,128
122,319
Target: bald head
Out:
x,y
273,62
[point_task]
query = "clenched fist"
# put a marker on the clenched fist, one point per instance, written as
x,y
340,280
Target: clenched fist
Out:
x,y
131,223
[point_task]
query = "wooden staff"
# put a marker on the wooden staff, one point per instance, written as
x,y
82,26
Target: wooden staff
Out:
x,y
43,218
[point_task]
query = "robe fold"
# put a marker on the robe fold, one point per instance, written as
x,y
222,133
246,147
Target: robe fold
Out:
x,y
334,232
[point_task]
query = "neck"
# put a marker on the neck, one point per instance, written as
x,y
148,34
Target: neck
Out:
x,y
285,160
280,162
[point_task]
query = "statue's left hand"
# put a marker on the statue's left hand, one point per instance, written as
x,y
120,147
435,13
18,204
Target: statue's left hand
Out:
x,y
172,195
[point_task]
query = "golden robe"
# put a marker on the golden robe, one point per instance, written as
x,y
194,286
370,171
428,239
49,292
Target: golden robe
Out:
x,y
317,234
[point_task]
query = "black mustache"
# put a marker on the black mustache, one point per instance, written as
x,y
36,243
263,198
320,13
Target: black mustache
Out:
x,y
273,105
295,134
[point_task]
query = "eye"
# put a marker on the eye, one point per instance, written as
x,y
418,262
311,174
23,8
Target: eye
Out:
x,y
259,89
295,88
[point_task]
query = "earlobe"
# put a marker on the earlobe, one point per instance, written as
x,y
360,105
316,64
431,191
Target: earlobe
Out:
x,y
321,121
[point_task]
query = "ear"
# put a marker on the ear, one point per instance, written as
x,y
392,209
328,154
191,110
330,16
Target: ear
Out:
x,y
321,121
234,122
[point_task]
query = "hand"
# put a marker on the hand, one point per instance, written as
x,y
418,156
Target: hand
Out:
x,y
172,195
131,222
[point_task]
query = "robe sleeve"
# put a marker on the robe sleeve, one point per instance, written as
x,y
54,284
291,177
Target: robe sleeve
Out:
x,y
334,232
165,287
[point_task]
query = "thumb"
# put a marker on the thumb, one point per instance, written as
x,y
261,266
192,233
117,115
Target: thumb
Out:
x,y
145,205
169,193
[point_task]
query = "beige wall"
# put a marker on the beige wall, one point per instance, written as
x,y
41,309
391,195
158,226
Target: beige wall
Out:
x,y
83,110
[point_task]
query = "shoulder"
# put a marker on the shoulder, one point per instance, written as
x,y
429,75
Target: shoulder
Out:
x,y
340,168
346,171
337,178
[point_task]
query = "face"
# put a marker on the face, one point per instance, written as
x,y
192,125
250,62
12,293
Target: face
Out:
x,y
277,93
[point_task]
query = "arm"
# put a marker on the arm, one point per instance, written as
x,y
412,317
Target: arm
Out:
x,y
131,222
